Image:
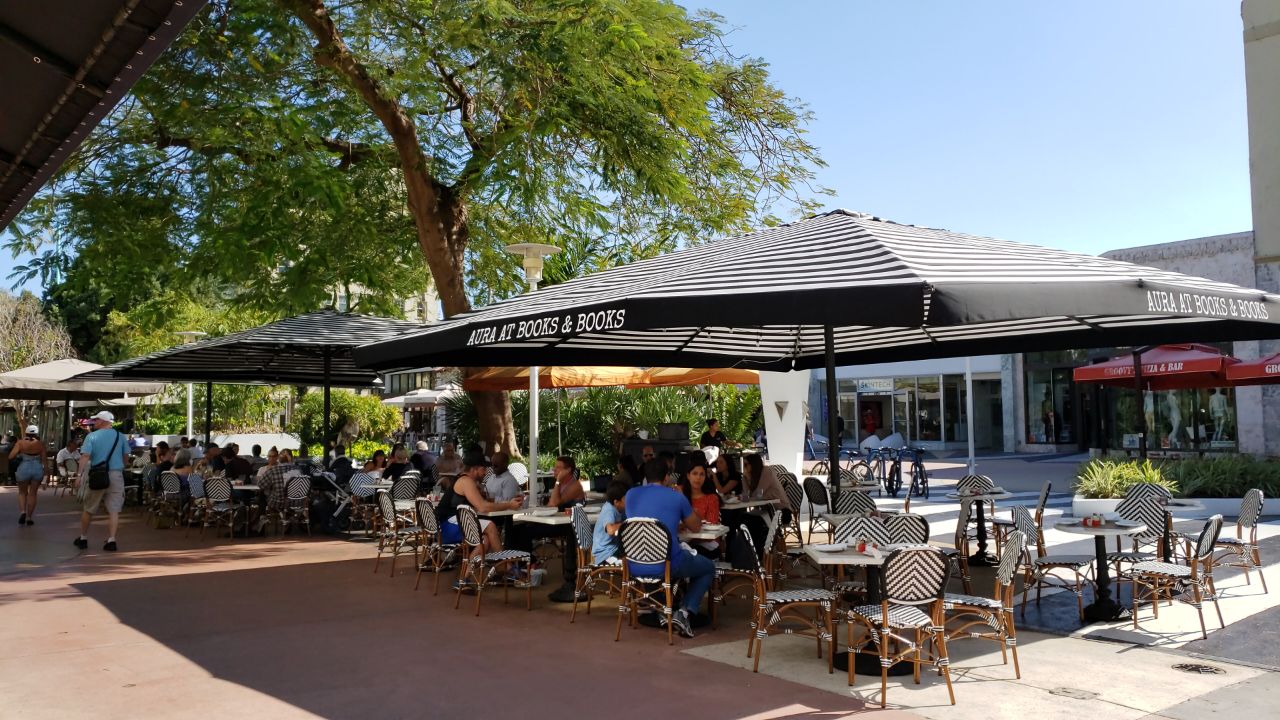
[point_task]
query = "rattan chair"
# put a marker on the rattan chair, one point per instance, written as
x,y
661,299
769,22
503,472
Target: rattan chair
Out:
x,y
221,509
590,573
1150,511
730,580
1243,548
434,555
909,617
852,530
849,502
974,616
477,565
197,505
795,502
1141,490
394,532
1039,569
1189,583
1000,526
363,503
816,493
806,611
959,554
297,504
167,502
646,541
907,528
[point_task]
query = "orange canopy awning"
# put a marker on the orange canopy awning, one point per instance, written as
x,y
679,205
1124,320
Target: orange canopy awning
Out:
x,y
1255,372
678,377
605,376
1165,367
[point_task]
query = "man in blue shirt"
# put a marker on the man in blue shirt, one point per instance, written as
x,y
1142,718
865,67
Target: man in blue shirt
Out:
x,y
604,539
104,445
672,509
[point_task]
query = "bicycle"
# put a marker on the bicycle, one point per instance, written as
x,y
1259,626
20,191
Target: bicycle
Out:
x,y
878,465
822,468
893,479
919,476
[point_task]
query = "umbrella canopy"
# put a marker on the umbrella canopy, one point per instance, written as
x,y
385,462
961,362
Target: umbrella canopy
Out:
x,y
884,291
50,381
64,64
1165,367
517,378
300,350
1255,372
422,397
679,377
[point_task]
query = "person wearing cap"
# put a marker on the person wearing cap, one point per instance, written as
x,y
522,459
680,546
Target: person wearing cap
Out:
x,y
104,445
29,452
466,490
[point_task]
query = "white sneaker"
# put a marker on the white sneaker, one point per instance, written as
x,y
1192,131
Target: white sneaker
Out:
x,y
681,620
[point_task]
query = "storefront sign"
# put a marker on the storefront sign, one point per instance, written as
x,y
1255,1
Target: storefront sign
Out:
x,y
875,385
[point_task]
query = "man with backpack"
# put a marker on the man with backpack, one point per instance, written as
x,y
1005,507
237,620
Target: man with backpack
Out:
x,y
101,478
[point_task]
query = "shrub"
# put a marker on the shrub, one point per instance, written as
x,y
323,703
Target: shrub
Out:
x,y
1111,478
371,419
1229,476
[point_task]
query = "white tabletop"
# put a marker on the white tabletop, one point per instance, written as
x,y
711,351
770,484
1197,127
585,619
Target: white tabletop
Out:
x,y
1110,529
1177,504
744,504
253,488
845,557
984,496
558,519
708,532
382,485
405,504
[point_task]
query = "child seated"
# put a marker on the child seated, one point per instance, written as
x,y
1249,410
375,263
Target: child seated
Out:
x,y
604,541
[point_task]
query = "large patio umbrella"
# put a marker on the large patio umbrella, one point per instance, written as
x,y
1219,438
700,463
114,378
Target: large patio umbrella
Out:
x,y
310,349
681,377
1164,367
517,378
51,382
839,287
1255,372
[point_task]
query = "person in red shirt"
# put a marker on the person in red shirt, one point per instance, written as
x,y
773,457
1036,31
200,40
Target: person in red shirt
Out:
x,y
700,489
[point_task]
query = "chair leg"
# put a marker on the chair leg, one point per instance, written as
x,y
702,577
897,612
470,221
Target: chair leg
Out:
x,y
1011,639
759,635
623,609
670,612
1214,595
482,579
940,640
884,666
577,591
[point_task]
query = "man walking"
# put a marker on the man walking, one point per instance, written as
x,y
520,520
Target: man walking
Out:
x,y
104,446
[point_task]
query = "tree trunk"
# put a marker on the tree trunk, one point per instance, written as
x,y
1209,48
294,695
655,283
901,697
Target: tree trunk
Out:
x,y
439,215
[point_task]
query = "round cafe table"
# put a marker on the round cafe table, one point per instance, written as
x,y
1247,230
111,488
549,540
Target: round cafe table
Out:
x,y
982,557
1104,607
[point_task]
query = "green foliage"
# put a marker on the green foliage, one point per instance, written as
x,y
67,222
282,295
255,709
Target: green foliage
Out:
x,y
27,336
1227,476
364,449
160,423
594,421
365,415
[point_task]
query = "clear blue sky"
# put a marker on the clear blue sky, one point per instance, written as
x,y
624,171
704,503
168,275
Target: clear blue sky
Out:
x,y
1086,125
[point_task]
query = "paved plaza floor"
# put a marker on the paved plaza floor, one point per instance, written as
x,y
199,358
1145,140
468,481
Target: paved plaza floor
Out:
x,y
176,625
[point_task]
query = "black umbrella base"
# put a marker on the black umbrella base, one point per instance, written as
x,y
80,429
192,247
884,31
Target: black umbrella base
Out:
x,y
983,560
1107,611
864,664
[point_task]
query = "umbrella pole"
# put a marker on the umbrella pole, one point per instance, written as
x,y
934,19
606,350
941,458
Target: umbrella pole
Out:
x,y
533,437
968,409
833,450
208,414
559,427
324,450
66,419
1142,417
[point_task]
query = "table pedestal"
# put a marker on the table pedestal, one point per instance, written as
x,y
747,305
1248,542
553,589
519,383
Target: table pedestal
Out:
x,y
1103,608
982,558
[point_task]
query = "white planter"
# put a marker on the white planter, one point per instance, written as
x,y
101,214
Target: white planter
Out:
x,y
1227,507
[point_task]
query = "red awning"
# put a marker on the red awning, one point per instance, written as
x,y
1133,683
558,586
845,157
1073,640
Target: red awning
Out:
x,y
1165,367
1255,372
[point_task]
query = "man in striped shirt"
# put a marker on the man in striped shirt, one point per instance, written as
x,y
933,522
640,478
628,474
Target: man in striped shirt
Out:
x,y
274,486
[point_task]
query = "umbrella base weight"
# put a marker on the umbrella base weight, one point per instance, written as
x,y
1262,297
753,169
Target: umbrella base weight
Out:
x,y
1105,612
983,560
864,664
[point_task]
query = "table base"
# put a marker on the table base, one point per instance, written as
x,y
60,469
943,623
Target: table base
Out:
x,y
985,559
868,664
1105,611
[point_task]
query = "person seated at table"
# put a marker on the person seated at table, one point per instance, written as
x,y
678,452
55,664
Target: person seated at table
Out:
x,y
568,491
669,458
423,460
465,490
714,437
399,464
164,463
286,457
727,478
604,538
449,462
273,459
183,469
656,473
674,512
234,466
211,463
273,486
377,463
502,485
255,456
341,466
699,489
760,483
627,471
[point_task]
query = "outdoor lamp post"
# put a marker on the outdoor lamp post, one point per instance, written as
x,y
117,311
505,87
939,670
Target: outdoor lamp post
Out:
x,y
189,336
532,255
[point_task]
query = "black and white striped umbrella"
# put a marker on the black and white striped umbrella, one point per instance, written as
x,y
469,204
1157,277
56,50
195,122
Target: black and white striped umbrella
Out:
x,y
299,350
884,291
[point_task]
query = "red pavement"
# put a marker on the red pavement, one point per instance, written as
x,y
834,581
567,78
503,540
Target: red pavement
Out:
x,y
177,626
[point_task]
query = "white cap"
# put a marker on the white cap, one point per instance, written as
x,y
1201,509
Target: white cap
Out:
x,y
33,430
105,416
422,445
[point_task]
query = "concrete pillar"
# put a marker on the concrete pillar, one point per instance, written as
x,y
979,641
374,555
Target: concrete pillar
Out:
x,y
784,398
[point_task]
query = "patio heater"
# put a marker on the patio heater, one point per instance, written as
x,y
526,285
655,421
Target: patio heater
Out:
x,y
532,255
189,336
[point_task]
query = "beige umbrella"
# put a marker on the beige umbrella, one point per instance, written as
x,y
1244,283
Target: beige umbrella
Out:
x,y
47,381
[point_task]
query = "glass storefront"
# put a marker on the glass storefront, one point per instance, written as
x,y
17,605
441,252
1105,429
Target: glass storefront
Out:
x,y
1192,419
925,409
954,396
1050,396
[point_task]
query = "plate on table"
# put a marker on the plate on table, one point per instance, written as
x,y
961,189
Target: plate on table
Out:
x,y
995,490
1125,523
711,526
544,511
831,548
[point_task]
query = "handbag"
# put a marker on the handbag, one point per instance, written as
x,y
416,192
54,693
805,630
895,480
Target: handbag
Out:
x,y
99,475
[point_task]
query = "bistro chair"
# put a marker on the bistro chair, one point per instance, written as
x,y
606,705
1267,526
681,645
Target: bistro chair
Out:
x,y
990,618
978,484
220,508
478,566
1150,511
1039,570
168,502
907,528
959,555
590,573
297,503
795,502
197,504
1190,583
870,529
858,477
730,579
435,555
646,541
405,487
1000,527
909,617
816,493
1141,490
850,502
363,504
805,612
1244,546
394,532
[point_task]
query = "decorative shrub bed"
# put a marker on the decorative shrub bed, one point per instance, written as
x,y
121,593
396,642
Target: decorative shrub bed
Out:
x,y
1219,477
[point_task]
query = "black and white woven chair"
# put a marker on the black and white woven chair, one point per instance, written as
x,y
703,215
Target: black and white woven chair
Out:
x,y
168,502
978,484
1191,583
1150,511
364,506
1040,568
852,530
591,575
508,568
221,509
851,502
907,528
819,502
646,541
405,487
394,532
909,617
990,618
959,555
297,504
1001,526
197,504
795,502
743,581
806,611
434,555
1242,549
1141,490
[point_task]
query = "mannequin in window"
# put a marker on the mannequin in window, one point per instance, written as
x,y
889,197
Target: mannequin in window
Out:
x,y
1175,420
1046,414
1218,411
1149,410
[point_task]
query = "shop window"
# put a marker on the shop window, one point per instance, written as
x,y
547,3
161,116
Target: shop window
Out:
x,y
955,428
904,407
929,408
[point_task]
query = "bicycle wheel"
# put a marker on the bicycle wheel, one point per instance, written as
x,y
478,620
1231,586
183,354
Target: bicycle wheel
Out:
x,y
919,481
893,483
821,469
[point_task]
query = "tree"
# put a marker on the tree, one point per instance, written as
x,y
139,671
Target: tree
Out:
x,y
439,131
355,417
27,337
